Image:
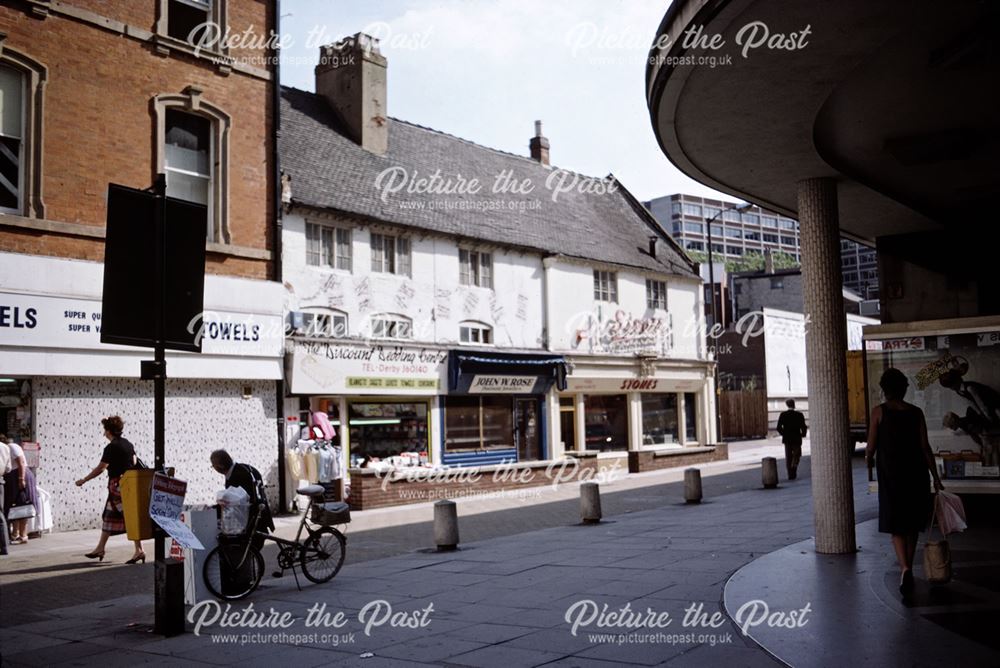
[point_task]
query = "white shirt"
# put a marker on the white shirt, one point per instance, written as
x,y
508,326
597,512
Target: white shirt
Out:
x,y
5,465
16,454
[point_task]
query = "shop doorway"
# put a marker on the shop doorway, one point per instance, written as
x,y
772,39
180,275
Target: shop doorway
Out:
x,y
526,428
567,422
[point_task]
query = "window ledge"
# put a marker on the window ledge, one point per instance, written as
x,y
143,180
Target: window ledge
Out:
x,y
97,232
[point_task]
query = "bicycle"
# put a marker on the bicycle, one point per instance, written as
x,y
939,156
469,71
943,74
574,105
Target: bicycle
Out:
x,y
234,568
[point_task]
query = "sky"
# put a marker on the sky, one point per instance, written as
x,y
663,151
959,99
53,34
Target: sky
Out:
x,y
485,70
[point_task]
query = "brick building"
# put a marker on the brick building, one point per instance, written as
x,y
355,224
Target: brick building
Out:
x,y
94,92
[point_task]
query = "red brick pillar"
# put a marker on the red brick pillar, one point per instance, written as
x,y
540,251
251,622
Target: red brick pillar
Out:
x,y
826,356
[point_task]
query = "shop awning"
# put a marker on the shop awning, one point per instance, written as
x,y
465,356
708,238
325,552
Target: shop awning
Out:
x,y
487,372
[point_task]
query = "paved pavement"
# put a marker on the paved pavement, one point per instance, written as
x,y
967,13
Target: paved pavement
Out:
x,y
497,601
53,573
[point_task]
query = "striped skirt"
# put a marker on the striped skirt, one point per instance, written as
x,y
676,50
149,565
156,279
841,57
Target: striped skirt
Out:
x,y
113,517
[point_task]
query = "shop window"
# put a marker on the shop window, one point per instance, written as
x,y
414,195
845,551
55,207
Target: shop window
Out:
x,y
475,333
606,418
478,423
22,86
391,327
328,246
659,419
605,286
656,294
475,268
690,416
390,254
193,151
380,431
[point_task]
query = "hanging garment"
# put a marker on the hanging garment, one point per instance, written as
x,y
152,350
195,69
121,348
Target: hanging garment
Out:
x,y
325,468
311,461
321,420
337,463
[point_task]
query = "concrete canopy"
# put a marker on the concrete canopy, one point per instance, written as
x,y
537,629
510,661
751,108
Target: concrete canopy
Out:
x,y
897,101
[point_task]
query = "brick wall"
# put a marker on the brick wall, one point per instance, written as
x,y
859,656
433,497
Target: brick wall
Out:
x,y
653,460
99,124
370,490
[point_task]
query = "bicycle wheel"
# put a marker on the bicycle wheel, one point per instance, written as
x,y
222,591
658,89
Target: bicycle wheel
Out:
x,y
322,554
231,572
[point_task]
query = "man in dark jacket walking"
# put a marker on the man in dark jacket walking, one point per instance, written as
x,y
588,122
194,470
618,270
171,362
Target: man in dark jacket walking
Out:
x,y
792,427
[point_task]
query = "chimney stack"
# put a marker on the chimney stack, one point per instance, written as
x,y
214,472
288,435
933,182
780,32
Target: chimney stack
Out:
x,y
351,75
539,145
652,246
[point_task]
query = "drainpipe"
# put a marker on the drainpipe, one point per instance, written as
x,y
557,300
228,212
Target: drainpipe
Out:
x,y
279,385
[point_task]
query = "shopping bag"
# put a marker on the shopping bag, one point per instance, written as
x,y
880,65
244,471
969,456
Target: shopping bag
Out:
x,y
937,561
937,555
950,513
235,504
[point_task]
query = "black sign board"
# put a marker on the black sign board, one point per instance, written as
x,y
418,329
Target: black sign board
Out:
x,y
128,313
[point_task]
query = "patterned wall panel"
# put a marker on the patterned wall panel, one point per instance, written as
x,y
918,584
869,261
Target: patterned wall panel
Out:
x,y
201,415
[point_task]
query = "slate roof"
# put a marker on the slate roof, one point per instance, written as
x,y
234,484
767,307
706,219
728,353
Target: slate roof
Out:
x,y
330,171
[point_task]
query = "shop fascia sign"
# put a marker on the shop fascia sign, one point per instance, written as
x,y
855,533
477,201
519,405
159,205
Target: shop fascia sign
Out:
x,y
596,384
482,384
621,333
58,322
327,367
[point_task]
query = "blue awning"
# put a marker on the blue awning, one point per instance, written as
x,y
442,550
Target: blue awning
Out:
x,y
486,372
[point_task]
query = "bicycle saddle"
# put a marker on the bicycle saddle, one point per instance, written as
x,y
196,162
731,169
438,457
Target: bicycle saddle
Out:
x,y
310,490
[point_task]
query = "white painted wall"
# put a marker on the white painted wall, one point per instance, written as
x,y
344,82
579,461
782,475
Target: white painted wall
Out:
x,y
572,308
432,298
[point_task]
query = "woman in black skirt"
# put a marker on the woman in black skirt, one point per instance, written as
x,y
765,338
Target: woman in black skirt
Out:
x,y
118,457
897,441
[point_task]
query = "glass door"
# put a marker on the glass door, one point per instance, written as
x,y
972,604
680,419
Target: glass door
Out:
x,y
526,429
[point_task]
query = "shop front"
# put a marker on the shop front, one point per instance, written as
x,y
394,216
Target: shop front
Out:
x,y
381,398
57,380
953,368
496,408
616,406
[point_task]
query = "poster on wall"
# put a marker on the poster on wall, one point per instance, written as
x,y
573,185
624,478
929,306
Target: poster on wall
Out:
x,y
955,380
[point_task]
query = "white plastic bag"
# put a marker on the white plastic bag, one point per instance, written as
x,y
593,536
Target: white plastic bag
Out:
x,y
235,509
950,513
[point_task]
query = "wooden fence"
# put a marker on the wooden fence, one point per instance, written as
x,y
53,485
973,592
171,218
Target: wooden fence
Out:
x,y
743,413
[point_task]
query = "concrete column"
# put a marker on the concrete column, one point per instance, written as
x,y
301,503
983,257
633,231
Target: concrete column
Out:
x,y
681,419
708,415
634,400
580,420
590,502
556,449
445,525
434,435
826,357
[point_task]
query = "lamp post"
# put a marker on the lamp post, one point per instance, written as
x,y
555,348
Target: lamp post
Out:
x,y
740,208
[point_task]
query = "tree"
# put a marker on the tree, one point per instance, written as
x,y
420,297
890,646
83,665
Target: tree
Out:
x,y
752,261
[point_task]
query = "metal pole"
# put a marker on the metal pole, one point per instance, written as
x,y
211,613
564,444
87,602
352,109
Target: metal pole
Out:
x,y
711,270
162,624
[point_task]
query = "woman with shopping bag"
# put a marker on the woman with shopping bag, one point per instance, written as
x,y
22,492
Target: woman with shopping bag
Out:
x,y
897,444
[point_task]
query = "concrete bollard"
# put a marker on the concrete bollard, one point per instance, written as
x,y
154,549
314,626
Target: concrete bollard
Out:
x,y
692,485
769,472
445,525
590,502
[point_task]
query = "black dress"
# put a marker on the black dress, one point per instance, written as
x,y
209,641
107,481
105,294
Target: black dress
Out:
x,y
904,497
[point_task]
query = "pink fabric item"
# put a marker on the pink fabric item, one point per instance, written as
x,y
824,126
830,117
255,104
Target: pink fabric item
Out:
x,y
950,513
319,419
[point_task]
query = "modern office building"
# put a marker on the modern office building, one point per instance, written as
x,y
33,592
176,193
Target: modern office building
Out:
x,y
736,234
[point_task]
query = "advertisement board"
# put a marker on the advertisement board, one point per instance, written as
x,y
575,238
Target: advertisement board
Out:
x,y
955,379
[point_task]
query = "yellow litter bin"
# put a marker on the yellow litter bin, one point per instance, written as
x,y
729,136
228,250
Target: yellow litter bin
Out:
x,y
136,487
